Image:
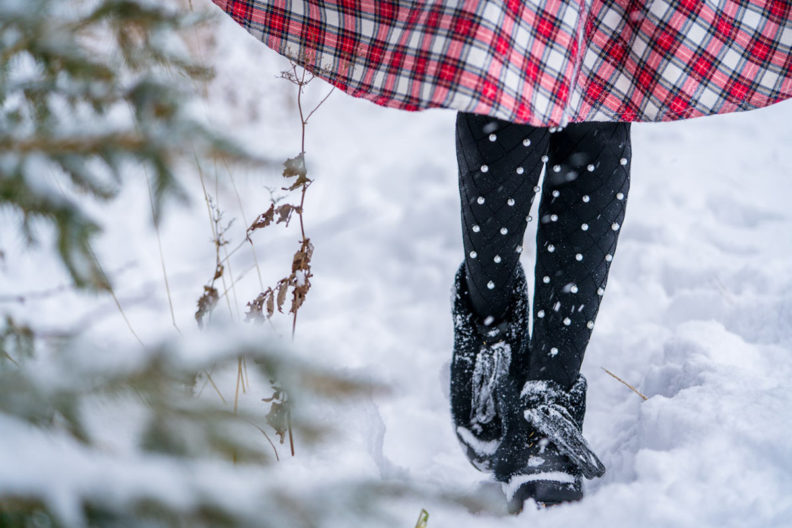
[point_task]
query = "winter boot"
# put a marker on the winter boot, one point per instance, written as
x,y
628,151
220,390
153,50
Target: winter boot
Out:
x,y
484,351
543,455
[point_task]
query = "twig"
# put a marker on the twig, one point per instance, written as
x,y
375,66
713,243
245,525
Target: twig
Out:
x,y
12,360
112,293
617,378
161,254
244,216
277,458
217,390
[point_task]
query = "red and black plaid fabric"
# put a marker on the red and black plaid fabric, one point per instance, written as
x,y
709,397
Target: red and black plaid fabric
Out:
x,y
545,62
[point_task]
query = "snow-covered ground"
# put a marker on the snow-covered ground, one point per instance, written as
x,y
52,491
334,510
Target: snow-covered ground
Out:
x,y
697,315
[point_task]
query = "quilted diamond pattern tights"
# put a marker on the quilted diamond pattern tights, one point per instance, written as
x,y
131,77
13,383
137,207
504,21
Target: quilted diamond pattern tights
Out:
x,y
581,209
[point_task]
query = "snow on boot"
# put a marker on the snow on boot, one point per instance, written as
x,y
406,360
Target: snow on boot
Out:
x,y
543,455
483,353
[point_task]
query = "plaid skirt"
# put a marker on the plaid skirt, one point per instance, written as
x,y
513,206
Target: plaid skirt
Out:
x,y
543,62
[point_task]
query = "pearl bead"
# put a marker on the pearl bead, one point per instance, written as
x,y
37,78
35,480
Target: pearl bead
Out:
x,y
528,218
584,227
586,198
551,248
545,158
536,188
573,289
490,285
473,254
600,291
496,259
623,161
608,257
554,351
554,218
590,167
520,170
578,257
510,202
526,142
484,168
556,194
556,168
476,229
620,196
503,230
567,321
590,325
546,279
540,314
518,249
480,200
493,137
615,226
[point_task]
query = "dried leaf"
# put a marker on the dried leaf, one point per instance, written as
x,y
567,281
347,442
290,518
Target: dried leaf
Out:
x,y
295,167
218,271
298,297
283,288
285,213
278,415
256,306
206,303
270,303
302,259
262,221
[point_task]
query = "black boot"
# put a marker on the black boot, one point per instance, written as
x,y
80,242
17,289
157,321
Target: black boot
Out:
x,y
484,352
543,455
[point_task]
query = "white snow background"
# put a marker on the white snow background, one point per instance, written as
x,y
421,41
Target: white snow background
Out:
x,y
697,313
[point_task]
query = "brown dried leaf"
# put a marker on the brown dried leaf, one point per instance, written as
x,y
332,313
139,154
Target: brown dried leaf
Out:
x,y
218,271
283,288
262,221
299,294
295,167
285,213
206,304
302,259
256,306
270,303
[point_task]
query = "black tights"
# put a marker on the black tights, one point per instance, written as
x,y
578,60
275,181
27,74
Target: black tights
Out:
x,y
581,210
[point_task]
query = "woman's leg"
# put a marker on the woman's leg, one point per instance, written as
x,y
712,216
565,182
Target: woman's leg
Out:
x,y
543,454
580,217
499,167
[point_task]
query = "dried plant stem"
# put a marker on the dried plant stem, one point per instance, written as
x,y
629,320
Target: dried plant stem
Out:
x,y
12,360
161,254
277,458
617,378
217,390
112,293
237,279
291,434
301,81
213,226
242,211
239,382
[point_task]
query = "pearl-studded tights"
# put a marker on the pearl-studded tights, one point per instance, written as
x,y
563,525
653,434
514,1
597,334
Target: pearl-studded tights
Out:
x,y
581,209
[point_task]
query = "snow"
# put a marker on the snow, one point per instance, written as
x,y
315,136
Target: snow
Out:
x,y
697,313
